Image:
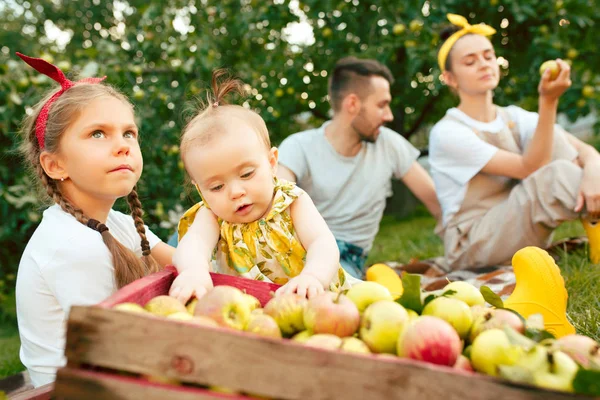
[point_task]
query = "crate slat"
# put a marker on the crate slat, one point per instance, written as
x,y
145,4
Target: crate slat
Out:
x,y
270,367
75,384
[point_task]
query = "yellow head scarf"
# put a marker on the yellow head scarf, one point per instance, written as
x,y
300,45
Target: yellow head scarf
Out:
x,y
458,20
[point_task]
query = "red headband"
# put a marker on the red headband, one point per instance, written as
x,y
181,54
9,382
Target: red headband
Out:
x,y
56,74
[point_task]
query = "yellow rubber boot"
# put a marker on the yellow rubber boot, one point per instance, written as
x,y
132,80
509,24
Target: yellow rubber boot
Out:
x,y
540,289
387,277
592,229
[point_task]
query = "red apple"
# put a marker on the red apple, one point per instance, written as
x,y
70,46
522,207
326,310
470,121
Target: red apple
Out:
x,y
226,305
463,363
580,348
288,311
430,339
331,313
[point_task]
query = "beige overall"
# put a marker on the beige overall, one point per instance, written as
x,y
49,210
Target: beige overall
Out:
x,y
500,215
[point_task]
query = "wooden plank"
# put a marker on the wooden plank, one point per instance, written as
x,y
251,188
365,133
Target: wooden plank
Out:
x,y
40,393
73,384
269,367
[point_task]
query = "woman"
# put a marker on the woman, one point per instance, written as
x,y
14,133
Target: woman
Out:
x,y
505,177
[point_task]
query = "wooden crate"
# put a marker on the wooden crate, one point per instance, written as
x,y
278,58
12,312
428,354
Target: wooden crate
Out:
x,y
99,338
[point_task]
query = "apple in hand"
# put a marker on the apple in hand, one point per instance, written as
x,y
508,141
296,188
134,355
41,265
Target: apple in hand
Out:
x,y
553,66
333,313
226,305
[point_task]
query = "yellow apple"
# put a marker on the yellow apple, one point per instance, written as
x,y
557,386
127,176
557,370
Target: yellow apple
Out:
x,y
553,66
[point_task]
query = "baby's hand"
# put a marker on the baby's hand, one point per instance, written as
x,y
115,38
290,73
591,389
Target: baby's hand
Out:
x,y
191,282
305,285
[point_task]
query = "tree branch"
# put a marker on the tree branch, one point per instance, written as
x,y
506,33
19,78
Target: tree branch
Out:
x,y
424,111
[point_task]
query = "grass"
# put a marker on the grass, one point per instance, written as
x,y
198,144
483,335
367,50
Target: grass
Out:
x,y
403,239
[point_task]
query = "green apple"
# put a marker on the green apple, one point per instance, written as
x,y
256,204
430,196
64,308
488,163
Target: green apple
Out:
x,y
253,302
466,292
491,349
226,305
264,325
381,324
324,341
366,293
456,312
552,66
560,375
302,336
412,314
288,310
398,29
130,307
164,305
354,345
588,91
415,25
572,53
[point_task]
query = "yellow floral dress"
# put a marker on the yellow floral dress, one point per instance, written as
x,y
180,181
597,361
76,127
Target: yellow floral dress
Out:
x,y
267,249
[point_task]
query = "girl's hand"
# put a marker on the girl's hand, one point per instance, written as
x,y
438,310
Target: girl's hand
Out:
x,y
589,191
552,89
192,282
305,285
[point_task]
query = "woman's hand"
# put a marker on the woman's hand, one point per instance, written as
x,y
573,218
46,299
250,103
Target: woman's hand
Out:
x,y
552,89
192,282
589,190
305,284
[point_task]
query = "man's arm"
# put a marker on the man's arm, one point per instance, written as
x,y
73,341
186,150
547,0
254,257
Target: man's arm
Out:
x,y
284,172
421,185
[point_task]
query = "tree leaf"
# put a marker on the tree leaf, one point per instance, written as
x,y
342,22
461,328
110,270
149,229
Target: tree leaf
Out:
x,y
587,382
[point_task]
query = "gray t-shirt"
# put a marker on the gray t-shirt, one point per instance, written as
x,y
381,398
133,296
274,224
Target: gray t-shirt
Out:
x,y
349,192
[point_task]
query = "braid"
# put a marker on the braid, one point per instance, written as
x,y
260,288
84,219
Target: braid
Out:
x,y
128,267
136,212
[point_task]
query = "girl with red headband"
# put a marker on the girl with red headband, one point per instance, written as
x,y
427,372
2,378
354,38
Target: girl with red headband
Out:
x,y
81,145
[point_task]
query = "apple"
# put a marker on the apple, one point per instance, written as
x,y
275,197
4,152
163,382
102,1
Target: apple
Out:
x,y
572,53
279,92
588,91
164,305
412,314
553,66
301,336
354,345
534,359
492,348
191,305
264,325
226,305
560,375
331,312
327,32
253,302
584,350
288,311
398,29
130,307
495,318
415,25
476,311
380,325
429,339
324,341
456,312
465,292
365,293
463,363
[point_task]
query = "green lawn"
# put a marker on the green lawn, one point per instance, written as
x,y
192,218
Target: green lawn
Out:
x,y
400,240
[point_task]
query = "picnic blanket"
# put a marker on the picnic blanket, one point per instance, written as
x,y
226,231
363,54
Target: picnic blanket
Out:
x,y
499,278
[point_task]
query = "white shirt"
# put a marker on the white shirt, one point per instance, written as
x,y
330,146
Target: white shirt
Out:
x,y
65,263
457,154
349,192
